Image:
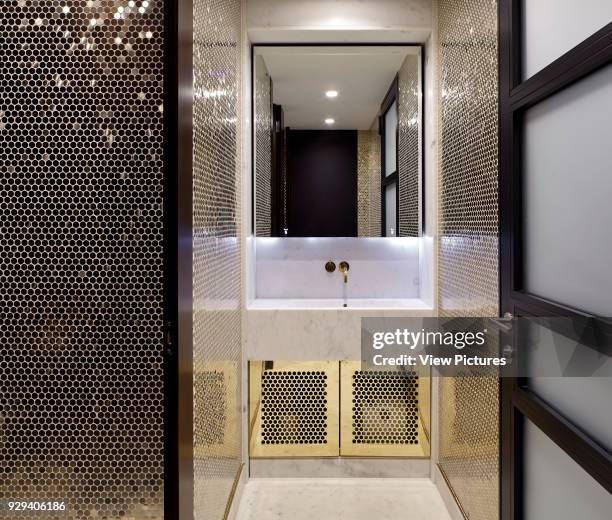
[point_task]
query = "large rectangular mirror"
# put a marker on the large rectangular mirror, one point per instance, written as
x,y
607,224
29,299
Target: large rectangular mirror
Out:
x,y
337,140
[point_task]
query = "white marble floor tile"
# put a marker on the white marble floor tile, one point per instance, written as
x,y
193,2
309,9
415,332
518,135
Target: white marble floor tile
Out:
x,y
341,499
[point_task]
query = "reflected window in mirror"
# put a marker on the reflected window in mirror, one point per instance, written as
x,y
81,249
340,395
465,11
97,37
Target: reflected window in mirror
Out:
x,y
347,164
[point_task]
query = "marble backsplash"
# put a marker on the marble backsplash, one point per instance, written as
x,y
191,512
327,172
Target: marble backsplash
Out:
x,y
294,268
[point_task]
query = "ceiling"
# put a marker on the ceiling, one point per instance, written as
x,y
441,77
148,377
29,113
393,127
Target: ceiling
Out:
x,y
361,75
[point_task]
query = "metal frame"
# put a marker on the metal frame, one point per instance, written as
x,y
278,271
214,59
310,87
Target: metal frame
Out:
x,y
339,44
178,304
276,205
517,401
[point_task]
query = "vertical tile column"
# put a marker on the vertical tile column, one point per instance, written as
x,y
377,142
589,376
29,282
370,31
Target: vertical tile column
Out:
x,y
409,163
468,240
216,254
81,247
263,149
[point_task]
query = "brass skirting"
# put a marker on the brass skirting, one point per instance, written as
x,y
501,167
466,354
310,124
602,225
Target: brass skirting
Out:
x,y
452,492
230,500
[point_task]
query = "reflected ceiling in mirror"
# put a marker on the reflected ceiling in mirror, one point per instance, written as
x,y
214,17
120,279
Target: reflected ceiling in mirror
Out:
x,y
337,140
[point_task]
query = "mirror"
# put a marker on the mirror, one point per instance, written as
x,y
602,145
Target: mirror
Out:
x,y
337,140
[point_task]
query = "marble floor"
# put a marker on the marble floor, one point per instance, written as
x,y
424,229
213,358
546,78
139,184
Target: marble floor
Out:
x,y
341,499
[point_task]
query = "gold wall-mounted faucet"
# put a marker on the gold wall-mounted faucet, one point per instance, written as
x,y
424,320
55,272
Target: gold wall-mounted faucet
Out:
x,y
344,269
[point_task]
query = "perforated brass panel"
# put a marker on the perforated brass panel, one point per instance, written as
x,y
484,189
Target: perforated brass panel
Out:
x,y
81,353
409,124
468,244
216,422
294,409
216,254
380,413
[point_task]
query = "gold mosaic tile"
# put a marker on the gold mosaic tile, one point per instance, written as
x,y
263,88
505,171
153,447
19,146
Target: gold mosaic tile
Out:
x,y
468,240
263,149
368,183
409,125
381,412
81,246
216,255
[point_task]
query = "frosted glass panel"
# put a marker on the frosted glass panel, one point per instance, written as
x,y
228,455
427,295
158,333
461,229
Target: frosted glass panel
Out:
x,y
391,139
390,211
554,486
567,189
553,27
583,400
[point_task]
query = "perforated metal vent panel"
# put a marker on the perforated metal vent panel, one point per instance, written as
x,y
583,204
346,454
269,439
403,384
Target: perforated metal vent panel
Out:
x,y
210,410
385,407
380,413
468,244
81,379
216,417
216,254
294,409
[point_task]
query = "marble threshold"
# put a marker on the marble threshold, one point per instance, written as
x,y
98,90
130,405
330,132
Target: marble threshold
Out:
x,y
341,499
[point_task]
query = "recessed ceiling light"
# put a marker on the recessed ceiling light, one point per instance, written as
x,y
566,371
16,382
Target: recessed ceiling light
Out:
x,y
330,121
331,93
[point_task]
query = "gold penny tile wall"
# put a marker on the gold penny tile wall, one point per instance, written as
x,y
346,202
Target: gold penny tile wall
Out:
x,y
217,347
81,247
468,243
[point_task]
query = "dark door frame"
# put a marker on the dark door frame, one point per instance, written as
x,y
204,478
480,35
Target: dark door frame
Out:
x,y
517,402
178,259
391,96
276,188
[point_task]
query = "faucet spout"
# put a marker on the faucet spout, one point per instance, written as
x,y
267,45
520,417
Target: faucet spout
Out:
x,y
344,269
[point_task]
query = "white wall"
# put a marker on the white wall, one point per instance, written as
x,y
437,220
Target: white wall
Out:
x,y
320,20
379,268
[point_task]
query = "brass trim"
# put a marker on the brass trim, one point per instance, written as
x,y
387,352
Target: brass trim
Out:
x,y
230,499
424,400
255,372
452,492
425,431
